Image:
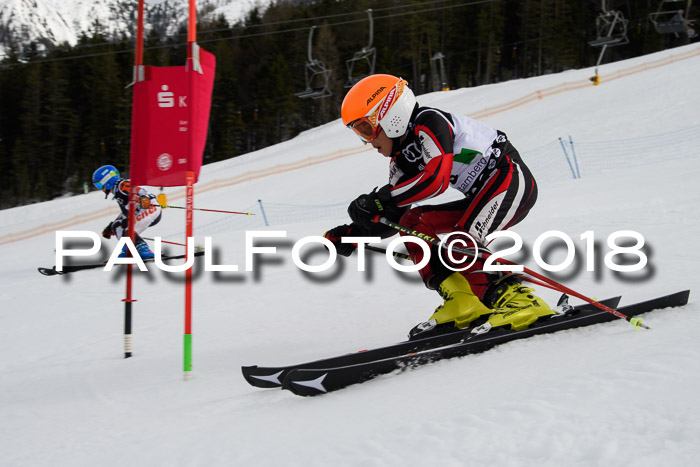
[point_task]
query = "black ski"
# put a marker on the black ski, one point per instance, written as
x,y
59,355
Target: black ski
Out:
x,y
271,377
305,381
81,267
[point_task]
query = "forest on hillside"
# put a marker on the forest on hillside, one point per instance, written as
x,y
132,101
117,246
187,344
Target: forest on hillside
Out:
x,y
65,110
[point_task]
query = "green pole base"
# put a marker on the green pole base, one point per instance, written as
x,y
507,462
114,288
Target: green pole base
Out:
x,y
187,361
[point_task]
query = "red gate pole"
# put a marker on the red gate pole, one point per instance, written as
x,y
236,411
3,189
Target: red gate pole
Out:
x,y
192,27
187,367
189,206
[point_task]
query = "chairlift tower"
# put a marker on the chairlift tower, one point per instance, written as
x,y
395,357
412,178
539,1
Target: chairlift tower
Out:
x,y
316,73
670,19
367,55
439,77
611,31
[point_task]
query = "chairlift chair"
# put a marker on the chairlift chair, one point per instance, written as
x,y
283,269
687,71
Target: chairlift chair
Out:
x,y
315,71
611,31
367,55
673,21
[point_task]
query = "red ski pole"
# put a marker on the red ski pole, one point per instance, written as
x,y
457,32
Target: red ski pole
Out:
x,y
208,210
169,243
396,254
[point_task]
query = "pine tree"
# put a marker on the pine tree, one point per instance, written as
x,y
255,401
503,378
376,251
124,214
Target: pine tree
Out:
x,y
28,151
12,86
59,123
60,119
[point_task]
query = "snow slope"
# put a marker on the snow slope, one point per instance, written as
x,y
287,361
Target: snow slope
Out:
x,y
600,396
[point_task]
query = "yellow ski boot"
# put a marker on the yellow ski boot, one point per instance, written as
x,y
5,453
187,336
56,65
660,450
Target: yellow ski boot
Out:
x,y
515,305
461,306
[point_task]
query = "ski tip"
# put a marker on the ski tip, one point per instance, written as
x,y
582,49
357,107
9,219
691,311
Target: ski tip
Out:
x,y
263,377
48,272
298,382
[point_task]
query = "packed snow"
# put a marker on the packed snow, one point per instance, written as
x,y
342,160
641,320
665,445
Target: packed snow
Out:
x,y
607,395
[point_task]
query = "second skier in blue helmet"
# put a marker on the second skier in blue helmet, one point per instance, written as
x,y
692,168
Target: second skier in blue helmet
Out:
x,y
148,211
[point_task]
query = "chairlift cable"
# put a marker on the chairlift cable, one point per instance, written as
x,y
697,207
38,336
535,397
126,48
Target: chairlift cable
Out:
x,y
266,33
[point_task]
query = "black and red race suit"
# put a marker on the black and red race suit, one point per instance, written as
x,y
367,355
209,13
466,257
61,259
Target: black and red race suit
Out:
x,y
440,150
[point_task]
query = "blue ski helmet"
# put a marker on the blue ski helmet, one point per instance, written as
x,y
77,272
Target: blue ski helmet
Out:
x,y
105,177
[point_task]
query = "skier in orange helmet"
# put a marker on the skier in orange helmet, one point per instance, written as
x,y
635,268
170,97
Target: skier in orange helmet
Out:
x,y
430,150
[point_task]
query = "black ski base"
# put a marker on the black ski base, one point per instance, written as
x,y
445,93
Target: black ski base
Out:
x,y
320,377
272,377
82,267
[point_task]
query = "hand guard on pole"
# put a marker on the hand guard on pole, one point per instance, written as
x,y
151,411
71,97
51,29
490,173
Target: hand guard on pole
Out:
x,y
366,207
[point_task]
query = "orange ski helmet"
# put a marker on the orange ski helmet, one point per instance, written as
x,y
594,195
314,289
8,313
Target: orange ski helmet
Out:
x,y
378,101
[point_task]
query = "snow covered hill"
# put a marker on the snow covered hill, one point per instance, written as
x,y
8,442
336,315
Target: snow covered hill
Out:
x,y
601,396
54,22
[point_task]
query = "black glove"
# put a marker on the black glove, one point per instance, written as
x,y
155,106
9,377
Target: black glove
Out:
x,y
107,232
366,207
336,234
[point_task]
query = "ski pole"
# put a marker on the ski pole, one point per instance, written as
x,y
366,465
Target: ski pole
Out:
x,y
196,247
208,210
164,241
405,256
396,254
636,322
